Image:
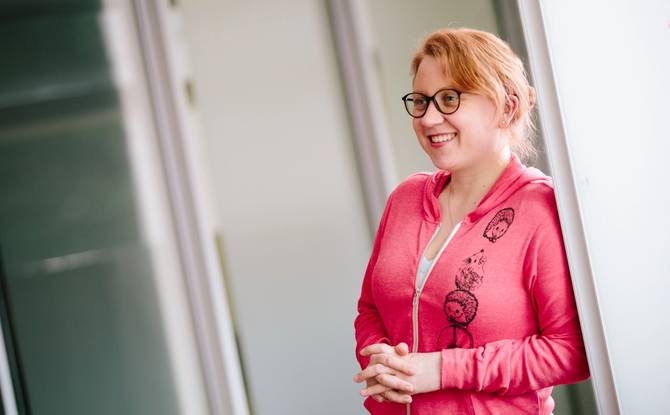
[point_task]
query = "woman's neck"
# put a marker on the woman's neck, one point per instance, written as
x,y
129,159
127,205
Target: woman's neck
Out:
x,y
469,186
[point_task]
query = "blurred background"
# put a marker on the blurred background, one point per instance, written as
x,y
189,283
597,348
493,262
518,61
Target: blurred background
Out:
x,y
189,194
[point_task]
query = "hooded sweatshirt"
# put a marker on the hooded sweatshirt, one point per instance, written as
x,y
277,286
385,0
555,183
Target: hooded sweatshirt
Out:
x,y
497,303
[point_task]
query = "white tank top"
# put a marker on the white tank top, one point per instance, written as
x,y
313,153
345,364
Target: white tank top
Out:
x,y
424,266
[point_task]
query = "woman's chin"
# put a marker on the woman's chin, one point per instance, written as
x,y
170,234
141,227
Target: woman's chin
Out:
x,y
442,164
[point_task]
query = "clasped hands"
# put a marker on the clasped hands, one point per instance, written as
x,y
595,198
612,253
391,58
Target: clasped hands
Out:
x,y
395,375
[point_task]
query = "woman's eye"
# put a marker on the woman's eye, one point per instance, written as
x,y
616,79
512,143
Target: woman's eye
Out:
x,y
449,99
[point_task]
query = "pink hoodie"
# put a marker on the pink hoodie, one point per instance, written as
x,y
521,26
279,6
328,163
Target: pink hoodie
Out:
x,y
498,302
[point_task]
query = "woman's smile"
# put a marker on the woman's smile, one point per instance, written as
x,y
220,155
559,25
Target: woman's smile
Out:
x,y
441,138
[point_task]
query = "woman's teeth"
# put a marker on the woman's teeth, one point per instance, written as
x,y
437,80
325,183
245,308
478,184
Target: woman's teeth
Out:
x,y
441,138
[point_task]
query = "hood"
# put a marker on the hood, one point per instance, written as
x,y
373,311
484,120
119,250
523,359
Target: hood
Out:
x,y
515,176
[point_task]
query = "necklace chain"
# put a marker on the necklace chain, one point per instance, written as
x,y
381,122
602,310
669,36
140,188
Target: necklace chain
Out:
x,y
451,220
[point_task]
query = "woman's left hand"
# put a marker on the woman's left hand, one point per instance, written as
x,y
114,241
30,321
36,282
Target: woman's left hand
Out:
x,y
427,368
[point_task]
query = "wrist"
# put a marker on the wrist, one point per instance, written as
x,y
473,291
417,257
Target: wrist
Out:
x,y
429,376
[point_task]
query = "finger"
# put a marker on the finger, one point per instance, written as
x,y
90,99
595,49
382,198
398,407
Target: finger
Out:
x,y
402,349
370,382
394,382
396,363
379,398
394,396
371,371
374,390
375,348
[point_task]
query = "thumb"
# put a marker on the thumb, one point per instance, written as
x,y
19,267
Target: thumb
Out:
x,y
402,349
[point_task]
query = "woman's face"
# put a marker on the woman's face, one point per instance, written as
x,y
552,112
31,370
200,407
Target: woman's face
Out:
x,y
472,133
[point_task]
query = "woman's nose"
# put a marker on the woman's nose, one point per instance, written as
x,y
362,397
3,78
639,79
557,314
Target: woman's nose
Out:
x,y
432,115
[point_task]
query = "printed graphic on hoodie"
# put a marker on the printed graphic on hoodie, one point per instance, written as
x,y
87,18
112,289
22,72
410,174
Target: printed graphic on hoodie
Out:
x,y
499,224
460,306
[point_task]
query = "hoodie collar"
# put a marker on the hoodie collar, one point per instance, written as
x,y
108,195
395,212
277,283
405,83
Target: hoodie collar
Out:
x,y
515,176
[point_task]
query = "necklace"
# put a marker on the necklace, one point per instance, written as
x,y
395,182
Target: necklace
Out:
x,y
451,220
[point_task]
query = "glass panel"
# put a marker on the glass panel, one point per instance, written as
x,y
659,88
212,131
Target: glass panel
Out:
x,y
80,285
89,334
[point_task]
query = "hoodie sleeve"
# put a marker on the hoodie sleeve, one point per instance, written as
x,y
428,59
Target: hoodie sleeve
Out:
x,y
553,356
368,324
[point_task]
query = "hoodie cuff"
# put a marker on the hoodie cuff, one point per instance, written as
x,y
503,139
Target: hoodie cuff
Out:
x,y
457,369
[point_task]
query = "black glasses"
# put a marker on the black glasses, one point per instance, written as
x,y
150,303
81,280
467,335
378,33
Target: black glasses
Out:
x,y
446,101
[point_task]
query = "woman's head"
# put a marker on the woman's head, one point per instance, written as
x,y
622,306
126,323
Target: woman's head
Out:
x,y
481,63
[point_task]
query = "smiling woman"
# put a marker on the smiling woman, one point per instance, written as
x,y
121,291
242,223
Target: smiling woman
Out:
x,y
466,305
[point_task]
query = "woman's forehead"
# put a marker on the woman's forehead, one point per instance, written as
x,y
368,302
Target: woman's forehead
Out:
x,y
431,76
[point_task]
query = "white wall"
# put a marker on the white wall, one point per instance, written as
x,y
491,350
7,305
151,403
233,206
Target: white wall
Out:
x,y
288,196
611,61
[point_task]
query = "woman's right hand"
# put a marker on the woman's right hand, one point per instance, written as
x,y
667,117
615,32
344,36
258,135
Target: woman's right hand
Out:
x,y
380,374
387,394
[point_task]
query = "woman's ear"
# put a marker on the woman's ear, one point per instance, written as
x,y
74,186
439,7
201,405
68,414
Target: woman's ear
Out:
x,y
511,105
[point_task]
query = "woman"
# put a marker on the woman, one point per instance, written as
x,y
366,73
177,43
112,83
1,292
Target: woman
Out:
x,y
468,268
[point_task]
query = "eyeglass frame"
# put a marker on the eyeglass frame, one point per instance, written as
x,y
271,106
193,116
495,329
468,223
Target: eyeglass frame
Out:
x,y
432,98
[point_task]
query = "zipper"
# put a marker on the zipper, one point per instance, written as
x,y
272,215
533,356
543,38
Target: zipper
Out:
x,y
419,288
